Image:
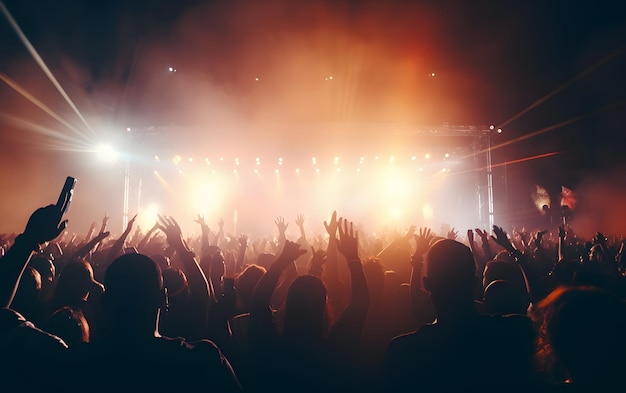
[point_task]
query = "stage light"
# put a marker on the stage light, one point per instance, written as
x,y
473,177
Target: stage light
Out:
x,y
156,173
156,158
180,171
392,159
499,130
336,160
491,127
234,171
427,156
258,161
237,161
128,129
317,170
432,74
171,69
444,170
420,169
147,216
256,79
338,170
276,170
330,77
413,158
314,161
446,155
358,170
221,158
176,159
376,158
106,153
256,170
362,160
190,159
297,170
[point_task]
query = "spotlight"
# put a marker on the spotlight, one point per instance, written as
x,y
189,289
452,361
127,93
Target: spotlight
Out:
x,y
106,153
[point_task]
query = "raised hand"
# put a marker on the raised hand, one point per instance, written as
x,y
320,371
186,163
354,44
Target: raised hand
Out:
x,y
200,220
318,258
105,221
470,236
300,220
422,242
290,253
331,227
539,237
45,224
281,225
220,224
410,232
502,239
172,231
484,235
452,234
348,243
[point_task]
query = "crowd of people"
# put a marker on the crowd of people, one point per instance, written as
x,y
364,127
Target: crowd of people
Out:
x,y
339,311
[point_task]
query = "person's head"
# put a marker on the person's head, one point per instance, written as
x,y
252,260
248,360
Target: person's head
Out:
x,y
266,260
246,281
74,284
450,273
502,298
306,308
134,292
45,266
70,325
584,327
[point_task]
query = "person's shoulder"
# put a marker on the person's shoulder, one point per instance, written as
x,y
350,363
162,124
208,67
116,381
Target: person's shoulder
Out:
x,y
413,338
27,336
200,350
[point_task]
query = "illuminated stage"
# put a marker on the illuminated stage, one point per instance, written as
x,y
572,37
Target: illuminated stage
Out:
x,y
382,176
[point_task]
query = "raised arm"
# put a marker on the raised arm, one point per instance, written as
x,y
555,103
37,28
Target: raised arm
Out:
x,y
346,332
118,246
205,234
281,225
45,224
262,295
241,253
534,286
300,223
196,280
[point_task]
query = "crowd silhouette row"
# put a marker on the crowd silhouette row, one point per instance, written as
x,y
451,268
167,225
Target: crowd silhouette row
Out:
x,y
341,310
